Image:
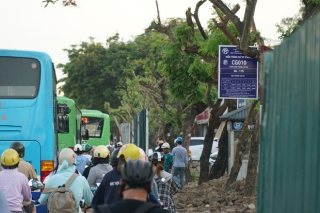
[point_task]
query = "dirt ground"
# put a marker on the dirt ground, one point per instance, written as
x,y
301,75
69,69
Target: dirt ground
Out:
x,y
209,197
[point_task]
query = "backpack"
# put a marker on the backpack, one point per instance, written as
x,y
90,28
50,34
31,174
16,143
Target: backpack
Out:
x,y
62,199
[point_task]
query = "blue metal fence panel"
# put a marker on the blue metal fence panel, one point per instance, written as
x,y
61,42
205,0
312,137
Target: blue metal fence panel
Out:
x,y
289,171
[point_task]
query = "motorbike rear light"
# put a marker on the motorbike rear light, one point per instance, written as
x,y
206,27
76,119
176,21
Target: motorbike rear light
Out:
x,y
46,168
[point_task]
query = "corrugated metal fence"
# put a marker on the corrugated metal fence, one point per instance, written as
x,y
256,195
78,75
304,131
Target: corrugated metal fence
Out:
x,y
140,130
289,170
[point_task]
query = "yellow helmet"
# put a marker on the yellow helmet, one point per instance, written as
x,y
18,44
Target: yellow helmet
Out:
x,y
101,152
9,157
130,152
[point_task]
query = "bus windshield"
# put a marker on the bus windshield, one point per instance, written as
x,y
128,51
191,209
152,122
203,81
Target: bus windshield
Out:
x,y
20,77
94,126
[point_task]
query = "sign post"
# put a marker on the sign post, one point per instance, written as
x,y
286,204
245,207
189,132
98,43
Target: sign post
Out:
x,y
238,74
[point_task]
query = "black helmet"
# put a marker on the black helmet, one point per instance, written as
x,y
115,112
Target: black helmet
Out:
x,y
114,159
156,157
137,174
18,147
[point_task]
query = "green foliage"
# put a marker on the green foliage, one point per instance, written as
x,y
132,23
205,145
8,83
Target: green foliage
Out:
x,y
287,26
195,175
95,73
181,32
314,1
211,46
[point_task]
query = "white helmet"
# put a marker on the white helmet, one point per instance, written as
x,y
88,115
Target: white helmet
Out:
x,y
77,148
68,155
119,144
165,145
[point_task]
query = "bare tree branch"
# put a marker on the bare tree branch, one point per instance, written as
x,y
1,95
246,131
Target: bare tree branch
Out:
x,y
196,18
124,119
163,29
247,20
117,123
190,24
210,103
311,12
222,25
186,108
259,39
233,18
159,20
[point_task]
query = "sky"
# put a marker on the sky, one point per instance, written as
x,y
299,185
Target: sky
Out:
x,y
26,24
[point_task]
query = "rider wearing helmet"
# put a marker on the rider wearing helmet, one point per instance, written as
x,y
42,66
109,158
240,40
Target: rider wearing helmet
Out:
x,y
24,167
66,169
135,184
167,187
81,160
101,157
159,147
167,157
13,183
153,195
86,149
107,192
119,144
114,160
111,148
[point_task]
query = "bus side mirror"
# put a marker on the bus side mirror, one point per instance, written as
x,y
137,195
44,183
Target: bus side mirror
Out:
x,y
85,136
67,110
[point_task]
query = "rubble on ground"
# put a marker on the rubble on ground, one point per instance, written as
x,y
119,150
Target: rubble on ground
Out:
x,y
210,197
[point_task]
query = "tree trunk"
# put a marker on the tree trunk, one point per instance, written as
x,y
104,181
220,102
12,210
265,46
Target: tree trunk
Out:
x,y
191,113
241,146
251,180
216,111
220,165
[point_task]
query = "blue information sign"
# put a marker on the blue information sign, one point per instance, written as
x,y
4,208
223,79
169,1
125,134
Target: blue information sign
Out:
x,y
238,74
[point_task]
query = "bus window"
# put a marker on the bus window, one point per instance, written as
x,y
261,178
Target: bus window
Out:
x,y
94,126
20,77
63,124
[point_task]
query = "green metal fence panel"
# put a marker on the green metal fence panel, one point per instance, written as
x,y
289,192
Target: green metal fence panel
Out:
x,y
142,129
289,162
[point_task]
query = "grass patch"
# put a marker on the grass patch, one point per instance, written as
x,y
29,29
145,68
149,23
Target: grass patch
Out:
x,y
195,175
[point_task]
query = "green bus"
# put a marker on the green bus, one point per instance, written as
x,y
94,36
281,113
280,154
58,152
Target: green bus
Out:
x,y
69,122
98,126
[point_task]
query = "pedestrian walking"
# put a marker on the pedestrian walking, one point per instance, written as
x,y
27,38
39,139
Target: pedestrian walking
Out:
x,y
180,161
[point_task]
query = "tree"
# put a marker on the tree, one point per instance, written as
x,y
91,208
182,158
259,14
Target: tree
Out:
x,y
64,2
244,28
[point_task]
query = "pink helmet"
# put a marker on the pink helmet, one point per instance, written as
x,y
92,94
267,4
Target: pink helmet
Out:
x,y
143,155
92,150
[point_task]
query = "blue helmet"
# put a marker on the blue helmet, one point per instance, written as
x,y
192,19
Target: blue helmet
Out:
x,y
179,140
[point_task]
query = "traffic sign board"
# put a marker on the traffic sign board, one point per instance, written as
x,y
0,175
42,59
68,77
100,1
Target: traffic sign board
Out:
x,y
238,74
